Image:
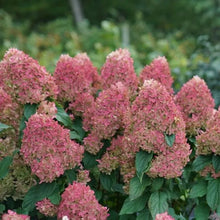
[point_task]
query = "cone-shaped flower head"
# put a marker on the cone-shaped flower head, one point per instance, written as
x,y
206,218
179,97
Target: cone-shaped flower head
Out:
x,y
164,216
209,141
47,148
24,79
107,116
196,104
47,208
14,216
160,71
75,76
119,68
154,118
79,202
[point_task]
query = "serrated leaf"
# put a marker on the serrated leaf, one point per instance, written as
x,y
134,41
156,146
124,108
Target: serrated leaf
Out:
x,y
2,208
157,184
107,181
202,211
170,139
199,189
37,193
132,206
144,215
213,193
142,163
63,117
75,136
137,188
3,126
77,126
89,161
4,166
71,175
216,162
55,198
29,109
158,203
201,161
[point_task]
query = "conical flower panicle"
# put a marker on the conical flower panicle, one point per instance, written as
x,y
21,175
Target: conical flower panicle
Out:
x,y
75,76
119,68
209,141
108,116
79,202
24,79
159,70
196,104
154,116
47,148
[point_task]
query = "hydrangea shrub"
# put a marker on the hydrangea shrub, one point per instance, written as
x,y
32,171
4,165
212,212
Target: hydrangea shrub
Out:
x,y
84,144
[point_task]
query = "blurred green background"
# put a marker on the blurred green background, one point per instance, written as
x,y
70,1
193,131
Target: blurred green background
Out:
x,y
187,32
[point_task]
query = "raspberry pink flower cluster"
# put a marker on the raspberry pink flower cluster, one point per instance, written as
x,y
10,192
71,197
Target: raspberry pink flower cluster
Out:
x,y
108,116
47,208
14,216
196,104
47,148
119,68
79,202
163,216
24,79
209,141
160,71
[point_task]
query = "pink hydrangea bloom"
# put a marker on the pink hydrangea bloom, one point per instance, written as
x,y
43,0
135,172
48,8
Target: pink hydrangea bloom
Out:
x,y
160,71
79,202
47,208
119,68
10,111
196,104
24,79
48,108
209,141
164,216
154,114
75,76
83,176
209,169
14,216
47,148
108,115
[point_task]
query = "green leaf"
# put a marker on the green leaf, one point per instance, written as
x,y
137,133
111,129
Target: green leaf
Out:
x,y
144,215
3,126
98,194
55,198
75,136
137,188
216,162
170,139
22,126
116,187
29,109
158,203
201,161
77,126
202,211
89,161
4,166
107,181
142,163
199,189
157,184
132,206
63,117
213,193
2,208
71,175
37,193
